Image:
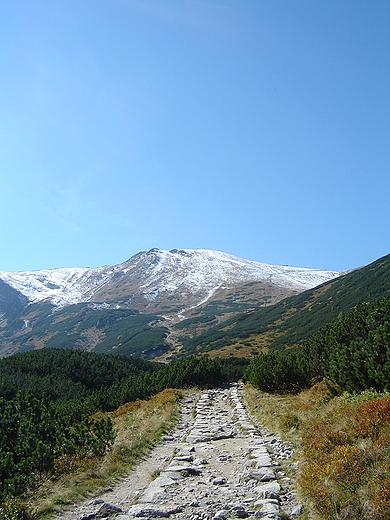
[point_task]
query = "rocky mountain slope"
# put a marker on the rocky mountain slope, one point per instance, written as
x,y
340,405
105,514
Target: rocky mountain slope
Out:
x,y
290,321
149,279
111,306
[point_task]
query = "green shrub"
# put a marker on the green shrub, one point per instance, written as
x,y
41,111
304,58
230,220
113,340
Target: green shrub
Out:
x,y
14,509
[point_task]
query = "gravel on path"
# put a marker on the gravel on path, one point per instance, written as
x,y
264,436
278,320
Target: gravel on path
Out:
x,y
214,466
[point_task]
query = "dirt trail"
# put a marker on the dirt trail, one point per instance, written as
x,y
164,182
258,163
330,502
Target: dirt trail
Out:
x,y
214,466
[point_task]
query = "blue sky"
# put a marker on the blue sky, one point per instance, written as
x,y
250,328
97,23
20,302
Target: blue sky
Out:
x,y
257,128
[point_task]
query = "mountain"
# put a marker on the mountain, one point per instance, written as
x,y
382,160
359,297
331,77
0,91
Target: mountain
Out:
x,y
290,321
133,307
159,280
12,302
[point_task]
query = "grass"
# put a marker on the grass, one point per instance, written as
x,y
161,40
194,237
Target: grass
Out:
x,y
139,425
15,509
342,444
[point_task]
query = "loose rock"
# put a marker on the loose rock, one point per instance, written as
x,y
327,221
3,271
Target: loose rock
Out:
x,y
215,465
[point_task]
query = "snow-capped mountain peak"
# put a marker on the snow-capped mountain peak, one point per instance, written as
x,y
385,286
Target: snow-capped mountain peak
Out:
x,y
180,274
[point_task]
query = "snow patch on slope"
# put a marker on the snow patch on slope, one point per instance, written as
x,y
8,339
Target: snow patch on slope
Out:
x,y
193,273
62,286
195,269
39,285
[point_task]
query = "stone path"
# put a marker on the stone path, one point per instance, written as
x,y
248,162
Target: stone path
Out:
x,y
216,467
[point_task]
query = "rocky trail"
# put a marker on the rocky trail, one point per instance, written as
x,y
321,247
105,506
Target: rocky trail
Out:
x,y
216,464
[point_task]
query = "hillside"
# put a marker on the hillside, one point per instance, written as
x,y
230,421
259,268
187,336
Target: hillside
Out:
x,y
132,308
159,281
294,319
120,331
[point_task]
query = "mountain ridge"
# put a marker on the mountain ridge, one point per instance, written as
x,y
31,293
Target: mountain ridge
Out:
x,y
293,319
132,308
150,274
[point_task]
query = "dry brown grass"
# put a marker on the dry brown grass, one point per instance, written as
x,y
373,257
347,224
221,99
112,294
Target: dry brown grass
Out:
x,y
315,295
237,350
273,410
343,445
139,425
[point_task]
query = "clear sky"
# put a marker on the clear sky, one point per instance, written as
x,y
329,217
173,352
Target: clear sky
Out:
x,y
257,128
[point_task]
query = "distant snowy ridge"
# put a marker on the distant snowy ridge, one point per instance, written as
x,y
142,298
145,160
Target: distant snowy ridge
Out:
x,y
62,286
196,273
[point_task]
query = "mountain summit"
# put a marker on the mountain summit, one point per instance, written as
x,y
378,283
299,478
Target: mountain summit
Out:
x,y
147,279
142,306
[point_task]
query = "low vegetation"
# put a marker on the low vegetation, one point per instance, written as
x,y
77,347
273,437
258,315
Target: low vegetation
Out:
x,y
342,444
116,331
341,425
138,426
49,400
16,509
353,352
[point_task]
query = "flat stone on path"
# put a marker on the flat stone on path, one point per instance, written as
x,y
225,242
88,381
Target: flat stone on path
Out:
x,y
268,490
153,512
213,466
183,470
219,481
162,481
